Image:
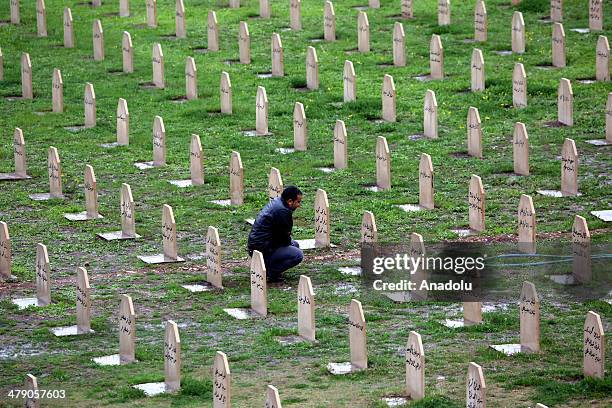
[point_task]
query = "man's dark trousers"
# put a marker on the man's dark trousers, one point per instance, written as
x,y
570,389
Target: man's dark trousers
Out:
x,y
282,259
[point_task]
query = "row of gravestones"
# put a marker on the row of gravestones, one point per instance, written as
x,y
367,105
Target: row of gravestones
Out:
x,y
529,316
399,58
565,97
595,8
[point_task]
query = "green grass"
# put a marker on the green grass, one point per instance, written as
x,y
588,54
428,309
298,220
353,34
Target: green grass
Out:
x,y
256,359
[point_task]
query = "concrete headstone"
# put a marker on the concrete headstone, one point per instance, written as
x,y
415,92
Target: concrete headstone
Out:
x,y
214,272
98,41
363,32
476,389
89,104
519,86
530,319
15,17
350,82
222,382
340,145
518,33
172,357
596,15
399,45
180,20
594,347
388,99
57,91
236,179
474,133
278,59
127,330
322,222
27,91
225,92
581,250
272,398
407,8
32,393
369,231
478,71
430,115
41,18
83,302
526,225
520,148
436,57
261,111
556,11
259,290
124,8
196,159
244,43
312,68
159,142
127,51
43,276
306,309
329,22
444,12
415,367
275,184
213,31
569,168
565,103
480,22
357,336
191,79
264,9
476,204
6,257
151,13
300,128
426,182
295,14
383,164
602,59
558,45
68,29
157,60
123,123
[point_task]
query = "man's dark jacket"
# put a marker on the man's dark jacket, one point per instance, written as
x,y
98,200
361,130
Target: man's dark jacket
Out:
x,y
272,228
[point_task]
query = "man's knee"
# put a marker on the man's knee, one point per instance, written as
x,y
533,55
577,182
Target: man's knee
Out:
x,y
298,256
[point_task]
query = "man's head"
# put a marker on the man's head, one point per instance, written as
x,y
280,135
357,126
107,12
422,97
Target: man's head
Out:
x,y
293,197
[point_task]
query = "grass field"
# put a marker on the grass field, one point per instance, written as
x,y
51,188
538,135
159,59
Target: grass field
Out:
x,y
553,377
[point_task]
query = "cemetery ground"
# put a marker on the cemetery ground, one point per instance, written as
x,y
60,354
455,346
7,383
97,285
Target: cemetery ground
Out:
x,y
256,358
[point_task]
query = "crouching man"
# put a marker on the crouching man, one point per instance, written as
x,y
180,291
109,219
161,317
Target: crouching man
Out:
x,y
271,234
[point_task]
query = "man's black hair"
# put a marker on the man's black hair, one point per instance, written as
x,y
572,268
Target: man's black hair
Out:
x,y
291,193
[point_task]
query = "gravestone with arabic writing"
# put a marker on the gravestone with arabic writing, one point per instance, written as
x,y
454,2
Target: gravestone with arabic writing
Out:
x,y
83,308
169,242
124,8
259,287
306,309
214,270
128,217
15,16
349,82
222,382
19,152
444,12
312,69
244,43
261,111
519,86
476,389
295,15
363,32
213,31
264,9
89,105
357,336
476,204
272,398
383,164
415,367
388,99
581,250
369,231
127,52
157,60
32,393
41,18
57,91
556,11
300,128
191,79
278,59
123,123
179,20
322,222
520,148
602,59
558,45
436,57
474,133
27,90
98,41
565,103
526,225
225,92
329,22
407,8
236,171
478,71
43,276
54,169
69,36
518,33
340,145
594,347
127,330
480,21
596,15
151,6
430,115
399,45
569,168
6,256
91,198
426,182
275,184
